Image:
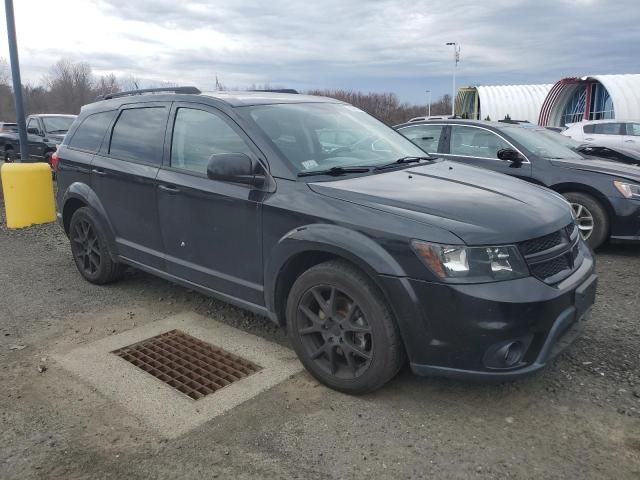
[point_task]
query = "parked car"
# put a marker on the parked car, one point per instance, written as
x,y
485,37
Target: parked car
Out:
x,y
618,154
367,253
606,133
8,127
605,194
44,134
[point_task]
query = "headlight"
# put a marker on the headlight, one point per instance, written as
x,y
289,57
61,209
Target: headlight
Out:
x,y
460,264
628,190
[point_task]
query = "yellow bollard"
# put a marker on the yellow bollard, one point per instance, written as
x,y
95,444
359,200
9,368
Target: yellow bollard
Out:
x,y
28,194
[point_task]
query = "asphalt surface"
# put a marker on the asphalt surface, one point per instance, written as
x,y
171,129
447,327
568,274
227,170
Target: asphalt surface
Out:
x,y
580,418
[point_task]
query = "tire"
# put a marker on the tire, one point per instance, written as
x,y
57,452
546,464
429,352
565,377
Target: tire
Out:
x,y
8,155
361,335
90,249
590,212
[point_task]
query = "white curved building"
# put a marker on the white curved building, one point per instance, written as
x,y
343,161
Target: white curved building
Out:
x,y
519,102
595,97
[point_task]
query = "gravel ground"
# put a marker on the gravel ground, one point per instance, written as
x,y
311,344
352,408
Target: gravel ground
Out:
x,y
580,418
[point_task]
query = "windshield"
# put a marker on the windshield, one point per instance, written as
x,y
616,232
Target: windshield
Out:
x,y
558,137
320,136
57,124
538,142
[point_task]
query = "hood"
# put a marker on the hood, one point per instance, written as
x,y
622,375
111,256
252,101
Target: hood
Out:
x,y
478,206
601,165
57,138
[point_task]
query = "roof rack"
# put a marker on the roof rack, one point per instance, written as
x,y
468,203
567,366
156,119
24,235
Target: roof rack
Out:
x,y
108,96
277,90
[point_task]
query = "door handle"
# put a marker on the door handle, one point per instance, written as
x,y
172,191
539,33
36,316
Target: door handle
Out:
x,y
169,188
99,171
589,139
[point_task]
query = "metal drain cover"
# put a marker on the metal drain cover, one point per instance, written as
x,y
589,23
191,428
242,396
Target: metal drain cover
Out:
x,y
189,365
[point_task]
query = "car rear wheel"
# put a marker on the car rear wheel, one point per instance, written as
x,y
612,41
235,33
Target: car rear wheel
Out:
x,y
8,155
342,330
593,221
90,249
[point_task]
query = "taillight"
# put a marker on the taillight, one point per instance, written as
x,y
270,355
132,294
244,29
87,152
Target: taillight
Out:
x,y
54,161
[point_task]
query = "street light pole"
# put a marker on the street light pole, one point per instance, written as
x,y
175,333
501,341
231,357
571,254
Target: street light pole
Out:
x,y
456,59
429,100
17,82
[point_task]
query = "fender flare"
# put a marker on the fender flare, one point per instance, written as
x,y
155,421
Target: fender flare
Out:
x,y
84,193
349,244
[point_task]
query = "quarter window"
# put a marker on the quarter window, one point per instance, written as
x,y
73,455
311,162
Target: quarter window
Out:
x,y
90,133
138,135
607,129
427,137
197,135
475,142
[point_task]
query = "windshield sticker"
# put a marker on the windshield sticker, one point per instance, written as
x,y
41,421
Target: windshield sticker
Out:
x,y
307,164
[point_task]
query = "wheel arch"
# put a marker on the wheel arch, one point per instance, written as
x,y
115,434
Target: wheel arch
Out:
x,y
568,187
304,247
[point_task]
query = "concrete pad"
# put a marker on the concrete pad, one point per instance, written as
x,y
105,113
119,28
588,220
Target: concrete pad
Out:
x,y
159,405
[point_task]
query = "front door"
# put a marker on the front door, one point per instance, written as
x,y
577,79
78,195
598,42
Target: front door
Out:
x,y
211,229
123,175
479,147
632,138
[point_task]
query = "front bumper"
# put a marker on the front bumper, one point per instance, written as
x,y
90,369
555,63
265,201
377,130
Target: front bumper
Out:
x,y
454,330
625,223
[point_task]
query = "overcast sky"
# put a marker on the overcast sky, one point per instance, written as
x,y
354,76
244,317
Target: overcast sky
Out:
x,y
371,45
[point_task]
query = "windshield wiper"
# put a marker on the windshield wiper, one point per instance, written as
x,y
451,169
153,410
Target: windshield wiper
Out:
x,y
336,171
404,160
58,131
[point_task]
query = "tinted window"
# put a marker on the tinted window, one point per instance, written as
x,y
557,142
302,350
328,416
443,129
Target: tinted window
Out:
x,y
197,135
475,142
607,129
88,136
139,134
588,128
427,137
633,129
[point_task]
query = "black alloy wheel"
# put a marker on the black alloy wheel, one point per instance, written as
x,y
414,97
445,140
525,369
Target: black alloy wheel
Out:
x,y
86,247
335,332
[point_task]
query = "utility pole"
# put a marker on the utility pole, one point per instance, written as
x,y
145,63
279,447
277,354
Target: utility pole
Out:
x,y
17,82
429,100
456,59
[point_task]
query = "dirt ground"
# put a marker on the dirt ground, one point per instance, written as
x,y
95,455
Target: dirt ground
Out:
x,y
580,418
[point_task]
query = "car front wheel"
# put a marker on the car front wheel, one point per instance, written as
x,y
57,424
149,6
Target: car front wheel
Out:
x,y
342,330
593,221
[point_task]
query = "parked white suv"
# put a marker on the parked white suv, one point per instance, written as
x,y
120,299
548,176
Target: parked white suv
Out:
x,y
606,133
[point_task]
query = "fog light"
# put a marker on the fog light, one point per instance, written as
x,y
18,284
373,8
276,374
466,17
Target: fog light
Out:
x,y
511,353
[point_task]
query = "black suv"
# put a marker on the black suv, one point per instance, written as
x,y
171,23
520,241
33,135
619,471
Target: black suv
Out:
x,y
368,253
605,194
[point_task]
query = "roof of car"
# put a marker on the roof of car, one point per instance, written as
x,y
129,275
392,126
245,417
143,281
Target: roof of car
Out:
x,y
52,115
480,123
237,99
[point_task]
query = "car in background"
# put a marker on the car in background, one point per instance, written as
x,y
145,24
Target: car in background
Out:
x,y
606,133
44,133
618,154
367,253
605,195
6,127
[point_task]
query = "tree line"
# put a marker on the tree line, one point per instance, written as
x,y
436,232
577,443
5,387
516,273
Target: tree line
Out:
x,y
70,85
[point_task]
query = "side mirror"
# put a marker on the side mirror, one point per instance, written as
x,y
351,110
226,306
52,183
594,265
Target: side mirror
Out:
x,y
510,155
234,168
33,131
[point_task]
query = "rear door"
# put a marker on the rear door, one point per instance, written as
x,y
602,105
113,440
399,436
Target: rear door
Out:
x,y
632,138
479,147
427,137
124,177
608,134
211,229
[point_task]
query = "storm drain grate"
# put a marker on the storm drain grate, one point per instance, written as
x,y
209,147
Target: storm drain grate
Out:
x,y
189,365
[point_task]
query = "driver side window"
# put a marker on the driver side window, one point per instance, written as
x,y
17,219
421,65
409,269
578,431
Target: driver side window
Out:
x,y
427,137
198,134
475,142
33,123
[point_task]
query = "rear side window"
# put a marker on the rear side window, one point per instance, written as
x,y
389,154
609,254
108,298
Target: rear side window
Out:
x,y
427,137
88,136
138,135
197,135
607,129
633,129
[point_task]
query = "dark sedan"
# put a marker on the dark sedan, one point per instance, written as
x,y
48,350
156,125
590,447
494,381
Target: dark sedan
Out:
x,y
605,194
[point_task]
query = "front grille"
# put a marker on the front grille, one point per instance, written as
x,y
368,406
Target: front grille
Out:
x,y
554,257
540,244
